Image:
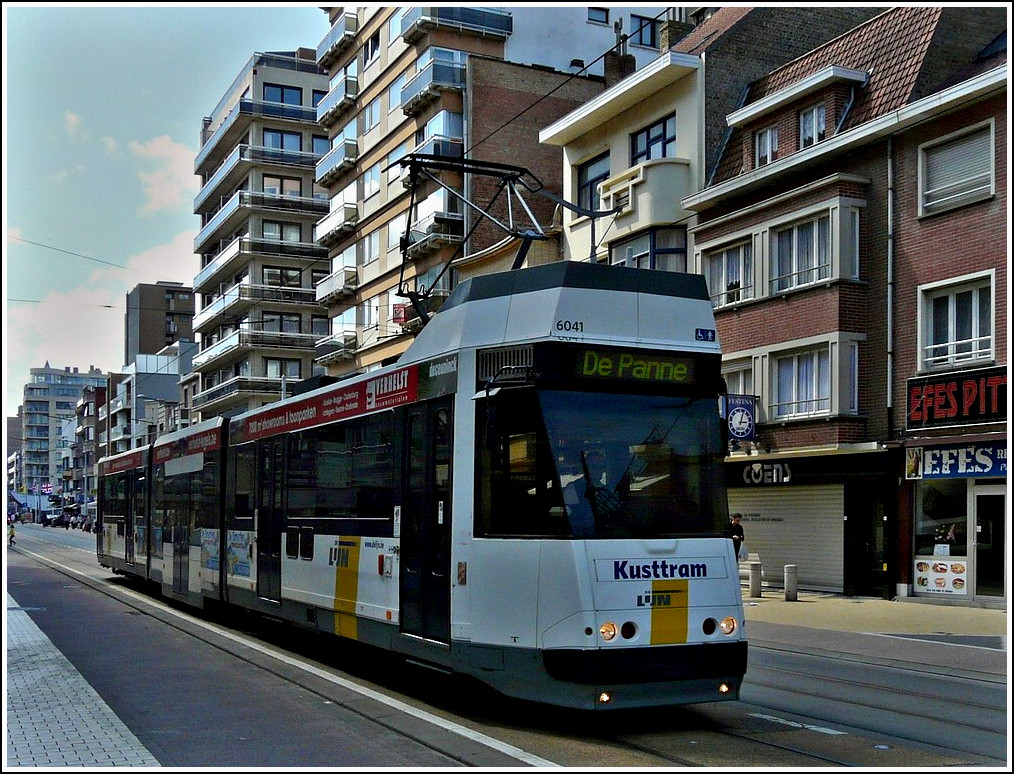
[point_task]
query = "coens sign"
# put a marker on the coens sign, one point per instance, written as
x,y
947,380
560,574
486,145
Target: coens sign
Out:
x,y
958,398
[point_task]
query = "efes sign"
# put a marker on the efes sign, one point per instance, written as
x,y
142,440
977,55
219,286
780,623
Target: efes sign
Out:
x,y
963,398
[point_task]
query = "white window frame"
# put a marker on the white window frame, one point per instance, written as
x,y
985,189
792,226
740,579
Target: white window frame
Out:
x,y
812,125
972,177
740,253
811,383
370,247
981,347
818,269
371,116
371,49
371,181
765,146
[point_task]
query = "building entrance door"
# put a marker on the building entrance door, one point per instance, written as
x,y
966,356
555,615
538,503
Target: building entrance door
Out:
x,y
989,507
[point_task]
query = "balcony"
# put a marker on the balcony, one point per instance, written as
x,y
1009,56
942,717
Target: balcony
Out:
x,y
435,232
222,267
339,160
236,167
262,388
337,347
650,191
408,317
337,101
242,341
239,205
338,39
236,124
485,22
330,229
339,284
240,298
430,82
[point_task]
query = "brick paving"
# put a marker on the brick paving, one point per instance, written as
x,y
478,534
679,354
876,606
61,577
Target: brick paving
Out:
x,y
54,717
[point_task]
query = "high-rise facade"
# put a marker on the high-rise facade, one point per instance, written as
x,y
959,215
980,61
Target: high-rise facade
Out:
x,y
257,314
157,315
457,83
50,399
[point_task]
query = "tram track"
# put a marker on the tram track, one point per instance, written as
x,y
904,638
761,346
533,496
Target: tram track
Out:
x,y
466,722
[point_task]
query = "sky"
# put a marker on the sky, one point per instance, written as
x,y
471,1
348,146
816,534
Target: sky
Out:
x,y
102,109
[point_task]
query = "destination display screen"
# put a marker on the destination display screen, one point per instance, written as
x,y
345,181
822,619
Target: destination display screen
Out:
x,y
636,366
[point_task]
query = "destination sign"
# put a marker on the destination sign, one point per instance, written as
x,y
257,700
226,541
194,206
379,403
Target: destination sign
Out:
x,y
634,366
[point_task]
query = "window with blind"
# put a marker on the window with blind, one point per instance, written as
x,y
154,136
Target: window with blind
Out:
x,y
956,170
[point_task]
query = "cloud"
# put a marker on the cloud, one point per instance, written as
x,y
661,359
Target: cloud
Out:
x,y
110,144
72,124
85,326
13,233
172,183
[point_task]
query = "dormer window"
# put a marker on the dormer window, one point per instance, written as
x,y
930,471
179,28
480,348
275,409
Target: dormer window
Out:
x,y
811,126
766,145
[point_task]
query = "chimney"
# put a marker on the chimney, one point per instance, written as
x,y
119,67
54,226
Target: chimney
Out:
x,y
672,32
616,67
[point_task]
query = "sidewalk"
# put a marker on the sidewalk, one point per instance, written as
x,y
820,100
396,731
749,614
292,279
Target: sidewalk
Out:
x,y
54,717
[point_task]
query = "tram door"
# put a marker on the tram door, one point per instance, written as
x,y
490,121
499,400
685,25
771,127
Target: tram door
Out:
x,y
269,517
133,502
426,523
180,520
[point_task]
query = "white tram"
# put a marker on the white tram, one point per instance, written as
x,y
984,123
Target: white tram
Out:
x,y
532,495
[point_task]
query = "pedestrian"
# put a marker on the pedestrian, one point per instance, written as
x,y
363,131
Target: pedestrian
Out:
x,y
735,532
10,534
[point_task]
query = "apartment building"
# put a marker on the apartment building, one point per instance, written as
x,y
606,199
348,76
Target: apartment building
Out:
x,y
458,83
854,238
635,150
85,451
257,316
50,399
157,315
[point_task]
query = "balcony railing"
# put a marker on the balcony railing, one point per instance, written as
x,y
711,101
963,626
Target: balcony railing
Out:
x,y
235,166
262,386
248,339
337,223
337,101
240,297
487,22
427,85
338,39
207,279
337,346
434,232
340,283
232,128
296,205
341,158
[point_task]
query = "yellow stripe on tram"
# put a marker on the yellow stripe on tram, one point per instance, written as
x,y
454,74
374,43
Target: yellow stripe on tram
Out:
x,y
346,586
669,611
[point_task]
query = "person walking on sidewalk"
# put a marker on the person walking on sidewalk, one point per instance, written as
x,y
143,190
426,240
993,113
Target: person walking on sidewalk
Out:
x,y
10,534
735,532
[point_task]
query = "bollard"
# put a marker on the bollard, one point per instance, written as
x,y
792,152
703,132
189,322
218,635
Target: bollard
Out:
x,y
790,583
755,579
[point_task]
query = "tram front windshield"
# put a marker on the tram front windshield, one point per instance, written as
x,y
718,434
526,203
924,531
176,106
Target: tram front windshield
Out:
x,y
556,463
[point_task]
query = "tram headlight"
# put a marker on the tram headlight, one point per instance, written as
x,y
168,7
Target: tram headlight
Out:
x,y
728,625
607,631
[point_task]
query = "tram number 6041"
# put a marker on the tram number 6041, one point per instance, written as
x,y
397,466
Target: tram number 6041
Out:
x,y
570,326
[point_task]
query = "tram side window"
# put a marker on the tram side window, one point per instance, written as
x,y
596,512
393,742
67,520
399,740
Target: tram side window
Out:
x,y
239,492
341,480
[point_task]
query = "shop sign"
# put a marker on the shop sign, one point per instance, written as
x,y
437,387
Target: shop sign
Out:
x,y
740,414
962,460
935,576
968,397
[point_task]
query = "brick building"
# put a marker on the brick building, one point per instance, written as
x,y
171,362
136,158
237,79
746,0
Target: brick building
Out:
x,y
854,236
